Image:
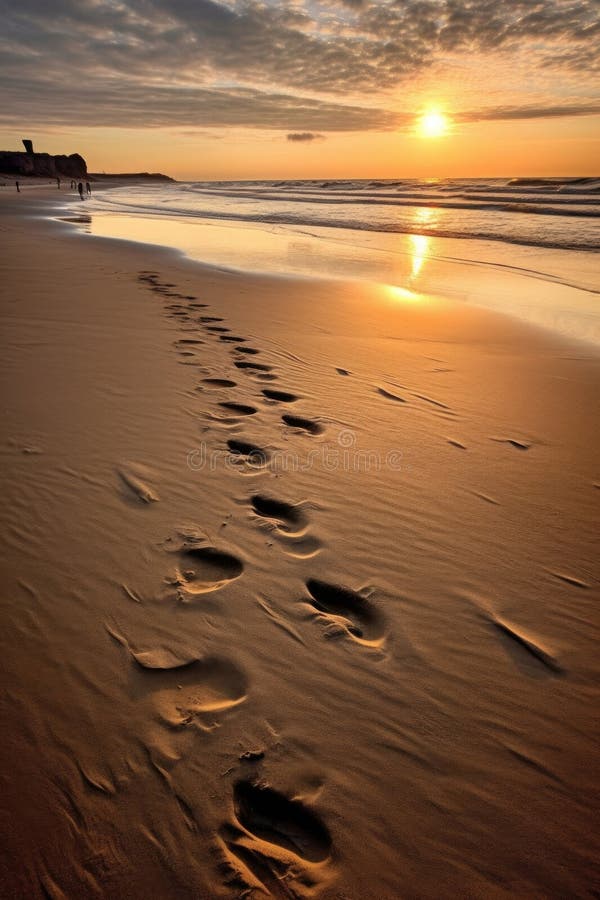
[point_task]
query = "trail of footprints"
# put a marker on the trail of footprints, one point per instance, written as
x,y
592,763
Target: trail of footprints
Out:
x,y
202,569
270,840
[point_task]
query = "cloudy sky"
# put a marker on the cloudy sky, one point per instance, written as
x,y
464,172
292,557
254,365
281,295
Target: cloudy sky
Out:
x,y
243,88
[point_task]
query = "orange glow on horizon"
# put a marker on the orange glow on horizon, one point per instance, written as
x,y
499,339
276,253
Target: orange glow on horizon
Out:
x,y
568,147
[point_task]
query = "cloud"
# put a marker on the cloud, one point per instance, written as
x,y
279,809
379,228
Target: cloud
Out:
x,y
189,62
531,112
304,136
104,102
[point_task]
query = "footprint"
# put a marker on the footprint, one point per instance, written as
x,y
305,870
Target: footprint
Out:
x,y
251,366
183,694
219,382
279,396
189,358
347,612
239,409
253,454
303,424
187,347
184,686
210,319
231,339
286,517
342,371
251,351
272,818
289,523
204,569
218,329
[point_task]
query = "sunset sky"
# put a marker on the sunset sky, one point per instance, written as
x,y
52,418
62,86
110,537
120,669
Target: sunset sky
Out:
x,y
247,89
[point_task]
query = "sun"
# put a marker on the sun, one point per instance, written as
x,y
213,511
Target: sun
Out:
x,y
433,124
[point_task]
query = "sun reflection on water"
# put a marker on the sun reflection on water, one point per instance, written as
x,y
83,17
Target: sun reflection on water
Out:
x,y
425,216
420,245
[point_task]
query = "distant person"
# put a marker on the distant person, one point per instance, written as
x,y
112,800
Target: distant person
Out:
x,y
80,189
58,183
73,184
88,188
18,188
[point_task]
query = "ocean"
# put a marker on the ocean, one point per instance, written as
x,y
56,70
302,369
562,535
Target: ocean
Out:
x,y
553,213
416,235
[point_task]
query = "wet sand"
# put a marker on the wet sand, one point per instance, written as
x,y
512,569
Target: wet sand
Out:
x,y
300,585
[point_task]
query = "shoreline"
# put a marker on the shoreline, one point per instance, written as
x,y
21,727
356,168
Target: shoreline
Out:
x,y
450,270
556,289
435,459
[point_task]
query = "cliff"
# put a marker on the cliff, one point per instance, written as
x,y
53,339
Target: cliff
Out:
x,y
42,164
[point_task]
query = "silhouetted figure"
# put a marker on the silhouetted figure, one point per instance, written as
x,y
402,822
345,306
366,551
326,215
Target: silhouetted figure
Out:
x,y
88,188
80,189
18,188
58,183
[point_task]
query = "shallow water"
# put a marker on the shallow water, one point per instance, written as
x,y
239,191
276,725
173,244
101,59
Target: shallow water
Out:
x,y
552,286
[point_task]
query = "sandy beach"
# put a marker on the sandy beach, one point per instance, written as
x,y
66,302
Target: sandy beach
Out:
x,y
300,584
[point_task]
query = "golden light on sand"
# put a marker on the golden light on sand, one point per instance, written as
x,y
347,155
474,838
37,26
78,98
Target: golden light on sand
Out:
x,y
403,294
433,124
